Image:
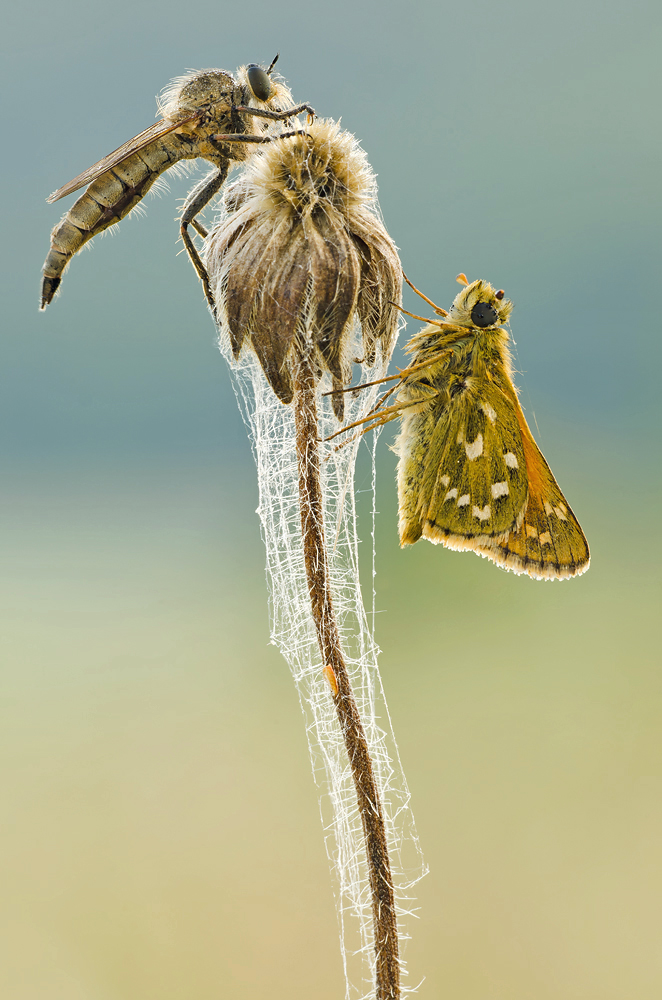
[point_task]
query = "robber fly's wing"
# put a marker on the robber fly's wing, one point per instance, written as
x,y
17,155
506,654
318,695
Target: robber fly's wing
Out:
x,y
139,142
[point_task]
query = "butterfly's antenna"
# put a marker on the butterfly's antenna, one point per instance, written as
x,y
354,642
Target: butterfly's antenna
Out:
x,y
423,319
437,309
462,279
273,63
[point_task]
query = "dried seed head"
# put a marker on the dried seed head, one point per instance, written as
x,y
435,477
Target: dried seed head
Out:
x,y
301,253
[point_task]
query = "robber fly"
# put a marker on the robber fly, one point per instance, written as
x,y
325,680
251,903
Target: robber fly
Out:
x,y
207,113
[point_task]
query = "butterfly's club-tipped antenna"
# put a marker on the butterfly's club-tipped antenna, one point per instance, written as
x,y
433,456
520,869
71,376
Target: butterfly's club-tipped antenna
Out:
x,y
439,311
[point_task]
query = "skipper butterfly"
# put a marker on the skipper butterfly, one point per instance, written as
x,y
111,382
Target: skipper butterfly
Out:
x,y
470,475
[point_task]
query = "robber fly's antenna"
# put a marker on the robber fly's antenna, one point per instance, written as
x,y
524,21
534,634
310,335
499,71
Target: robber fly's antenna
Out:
x,y
273,63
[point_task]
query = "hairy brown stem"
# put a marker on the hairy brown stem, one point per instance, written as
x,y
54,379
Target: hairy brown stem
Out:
x,y
317,574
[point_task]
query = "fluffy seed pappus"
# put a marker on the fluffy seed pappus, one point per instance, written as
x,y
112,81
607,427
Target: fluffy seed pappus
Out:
x,y
470,475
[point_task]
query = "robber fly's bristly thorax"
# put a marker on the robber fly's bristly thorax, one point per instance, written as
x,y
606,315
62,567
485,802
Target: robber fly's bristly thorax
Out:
x,y
209,114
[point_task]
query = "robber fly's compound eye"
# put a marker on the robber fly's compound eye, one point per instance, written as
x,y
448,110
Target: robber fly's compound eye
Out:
x,y
259,82
483,314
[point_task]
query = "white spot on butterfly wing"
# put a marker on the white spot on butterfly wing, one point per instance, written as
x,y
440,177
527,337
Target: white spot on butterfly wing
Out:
x,y
500,490
451,495
560,514
445,480
531,531
489,412
548,509
482,515
474,449
511,460
546,538
464,500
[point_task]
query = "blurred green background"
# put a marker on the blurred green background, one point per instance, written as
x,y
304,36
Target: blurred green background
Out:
x,y
160,835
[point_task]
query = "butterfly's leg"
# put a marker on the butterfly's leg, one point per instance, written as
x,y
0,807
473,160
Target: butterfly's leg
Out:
x,y
363,385
196,200
401,375
390,413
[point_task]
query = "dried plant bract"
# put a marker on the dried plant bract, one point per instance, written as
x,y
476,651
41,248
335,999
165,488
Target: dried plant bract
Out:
x,y
302,254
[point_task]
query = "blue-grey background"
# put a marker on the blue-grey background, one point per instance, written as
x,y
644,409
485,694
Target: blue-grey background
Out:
x,y
160,836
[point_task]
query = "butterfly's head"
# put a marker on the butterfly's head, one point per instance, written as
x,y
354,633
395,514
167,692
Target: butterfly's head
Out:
x,y
481,306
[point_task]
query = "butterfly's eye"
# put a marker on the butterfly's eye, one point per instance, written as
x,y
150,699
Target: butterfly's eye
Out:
x,y
483,314
259,82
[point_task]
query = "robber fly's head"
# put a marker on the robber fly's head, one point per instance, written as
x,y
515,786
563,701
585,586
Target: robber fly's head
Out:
x,y
263,87
480,305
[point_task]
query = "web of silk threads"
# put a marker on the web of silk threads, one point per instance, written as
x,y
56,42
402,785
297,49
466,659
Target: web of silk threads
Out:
x,y
271,430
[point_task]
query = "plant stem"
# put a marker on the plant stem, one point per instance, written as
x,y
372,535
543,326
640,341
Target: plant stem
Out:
x,y
317,574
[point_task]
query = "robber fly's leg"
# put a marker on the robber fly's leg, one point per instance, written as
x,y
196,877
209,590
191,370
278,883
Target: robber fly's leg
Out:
x,y
278,116
196,200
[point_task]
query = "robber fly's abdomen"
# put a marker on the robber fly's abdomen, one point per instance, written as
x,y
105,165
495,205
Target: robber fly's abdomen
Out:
x,y
107,200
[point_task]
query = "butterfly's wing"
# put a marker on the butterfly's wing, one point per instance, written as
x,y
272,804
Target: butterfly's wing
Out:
x,y
483,485
473,487
549,544
134,145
